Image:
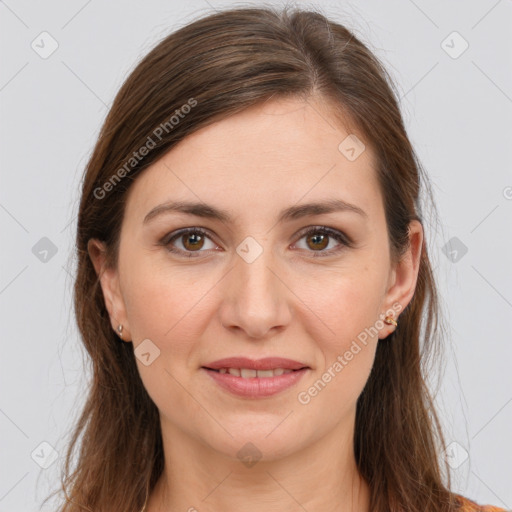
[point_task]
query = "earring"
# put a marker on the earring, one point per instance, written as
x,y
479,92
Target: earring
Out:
x,y
390,321
120,330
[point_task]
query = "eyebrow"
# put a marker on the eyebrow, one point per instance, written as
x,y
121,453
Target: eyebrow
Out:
x,y
292,213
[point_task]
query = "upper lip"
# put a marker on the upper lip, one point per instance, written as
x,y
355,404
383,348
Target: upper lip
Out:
x,y
267,363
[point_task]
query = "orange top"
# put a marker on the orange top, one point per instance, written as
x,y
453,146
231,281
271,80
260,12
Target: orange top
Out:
x,y
467,505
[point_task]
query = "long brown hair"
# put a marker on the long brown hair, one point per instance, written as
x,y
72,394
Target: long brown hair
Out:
x,y
205,71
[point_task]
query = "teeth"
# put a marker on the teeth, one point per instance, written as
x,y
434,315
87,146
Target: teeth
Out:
x,y
246,373
263,373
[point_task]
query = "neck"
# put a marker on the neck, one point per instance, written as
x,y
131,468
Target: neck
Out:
x,y
321,477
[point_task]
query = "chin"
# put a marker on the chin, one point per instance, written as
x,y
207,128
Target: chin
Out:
x,y
260,442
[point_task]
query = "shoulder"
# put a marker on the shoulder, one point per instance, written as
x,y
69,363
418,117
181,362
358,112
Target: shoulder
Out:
x,y
467,505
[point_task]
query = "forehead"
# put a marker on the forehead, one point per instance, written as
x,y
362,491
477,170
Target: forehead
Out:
x,y
263,158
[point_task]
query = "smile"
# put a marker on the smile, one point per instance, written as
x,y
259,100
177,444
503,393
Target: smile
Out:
x,y
247,373
255,384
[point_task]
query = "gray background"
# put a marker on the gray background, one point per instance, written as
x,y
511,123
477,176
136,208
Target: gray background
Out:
x,y
457,110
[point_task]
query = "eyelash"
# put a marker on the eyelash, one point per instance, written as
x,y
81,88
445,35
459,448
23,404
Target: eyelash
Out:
x,y
332,233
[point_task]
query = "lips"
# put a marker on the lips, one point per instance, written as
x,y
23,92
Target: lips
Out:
x,y
265,364
253,379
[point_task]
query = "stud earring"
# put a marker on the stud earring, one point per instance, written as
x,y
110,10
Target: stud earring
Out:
x,y
390,321
120,330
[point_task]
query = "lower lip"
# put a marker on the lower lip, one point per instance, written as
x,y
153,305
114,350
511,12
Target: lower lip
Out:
x,y
256,387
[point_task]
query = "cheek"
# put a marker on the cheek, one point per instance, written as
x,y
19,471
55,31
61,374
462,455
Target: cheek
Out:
x,y
159,296
170,306
342,316
346,341
168,309
346,301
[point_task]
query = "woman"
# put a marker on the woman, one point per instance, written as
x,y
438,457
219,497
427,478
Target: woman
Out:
x,y
253,283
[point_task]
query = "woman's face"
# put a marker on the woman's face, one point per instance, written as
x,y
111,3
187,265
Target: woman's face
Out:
x,y
263,281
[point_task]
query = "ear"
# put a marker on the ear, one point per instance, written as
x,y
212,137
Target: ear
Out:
x,y
109,280
403,278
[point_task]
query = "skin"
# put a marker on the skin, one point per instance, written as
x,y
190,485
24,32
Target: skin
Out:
x,y
285,303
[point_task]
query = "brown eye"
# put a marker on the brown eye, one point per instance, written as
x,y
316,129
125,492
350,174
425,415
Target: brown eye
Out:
x,y
317,239
192,241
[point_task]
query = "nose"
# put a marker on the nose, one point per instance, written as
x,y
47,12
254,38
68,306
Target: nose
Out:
x,y
256,299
